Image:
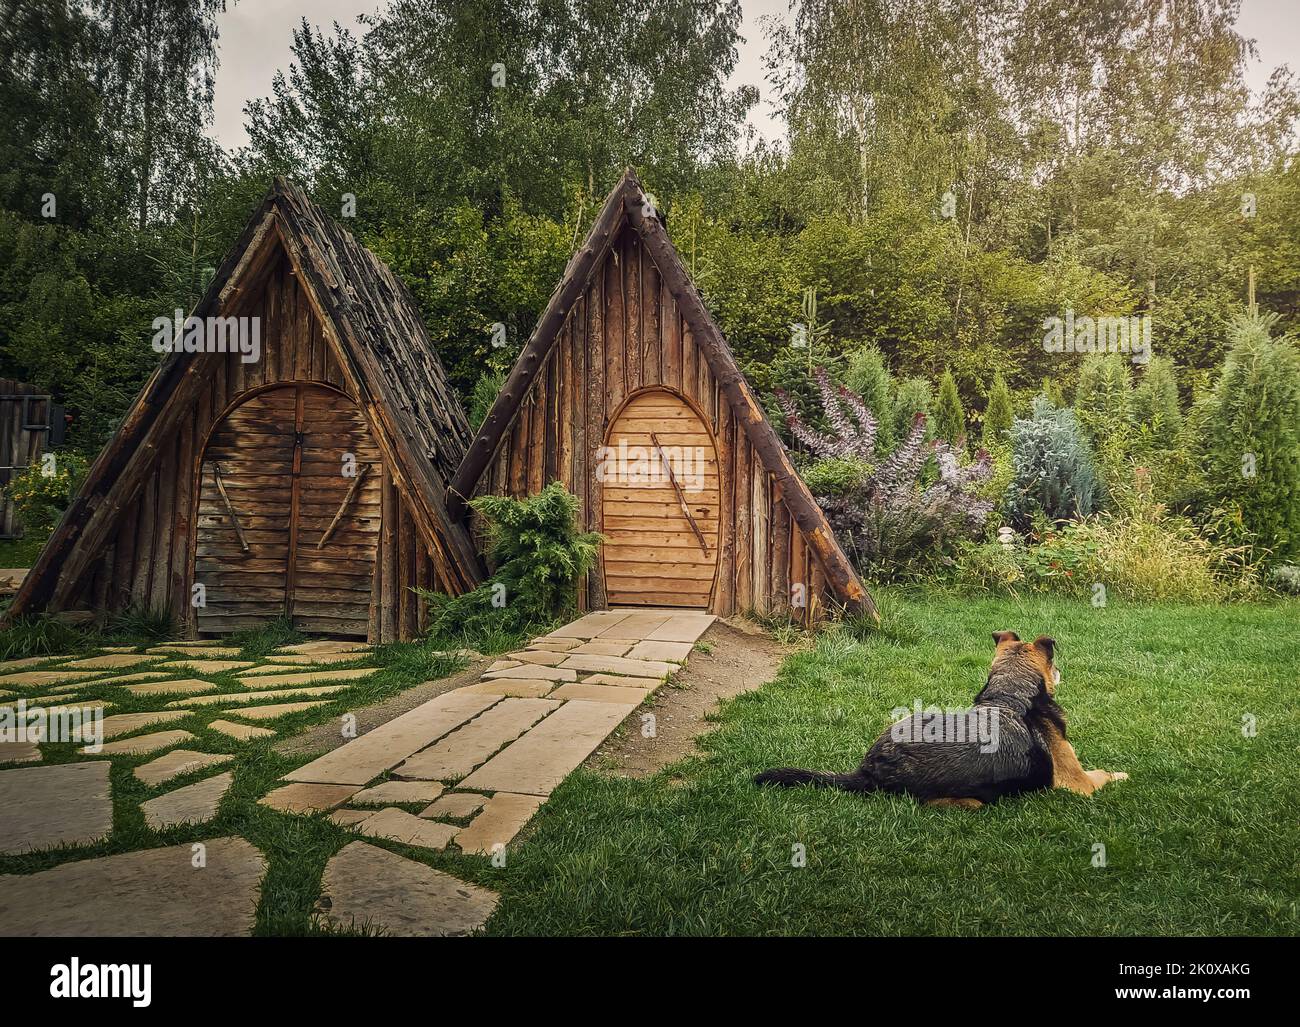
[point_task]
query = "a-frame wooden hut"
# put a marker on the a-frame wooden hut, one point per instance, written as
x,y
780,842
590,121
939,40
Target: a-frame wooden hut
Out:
x,y
626,359
308,483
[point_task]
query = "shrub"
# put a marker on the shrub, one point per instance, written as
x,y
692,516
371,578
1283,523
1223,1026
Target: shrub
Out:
x,y
1103,397
868,375
1285,577
913,396
835,476
1054,474
538,555
1252,435
40,497
950,417
1156,412
892,523
484,394
997,413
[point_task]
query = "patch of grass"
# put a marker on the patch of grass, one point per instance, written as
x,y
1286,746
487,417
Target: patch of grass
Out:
x,y
140,624
1201,840
255,643
42,636
20,552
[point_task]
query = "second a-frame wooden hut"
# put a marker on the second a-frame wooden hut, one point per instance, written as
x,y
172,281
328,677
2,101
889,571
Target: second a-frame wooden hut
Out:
x,y
625,374
307,482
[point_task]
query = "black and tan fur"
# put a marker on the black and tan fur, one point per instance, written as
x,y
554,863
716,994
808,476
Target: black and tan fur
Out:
x,y
1033,753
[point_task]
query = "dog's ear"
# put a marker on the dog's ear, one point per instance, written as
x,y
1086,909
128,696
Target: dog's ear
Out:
x,y
1005,636
1046,645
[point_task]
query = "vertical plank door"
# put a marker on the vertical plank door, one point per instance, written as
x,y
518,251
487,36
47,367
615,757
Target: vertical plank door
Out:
x,y
657,553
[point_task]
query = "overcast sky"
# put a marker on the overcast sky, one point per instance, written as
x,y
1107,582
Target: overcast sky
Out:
x,y
256,36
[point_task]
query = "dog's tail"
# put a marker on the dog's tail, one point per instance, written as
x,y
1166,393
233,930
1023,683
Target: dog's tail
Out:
x,y
791,777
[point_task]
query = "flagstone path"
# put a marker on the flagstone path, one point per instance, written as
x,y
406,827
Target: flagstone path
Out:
x,y
466,769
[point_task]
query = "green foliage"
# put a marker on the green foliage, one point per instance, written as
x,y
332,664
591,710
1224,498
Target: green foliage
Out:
x,y
1251,448
1054,473
1103,397
913,396
950,417
835,476
1156,410
143,624
998,414
537,554
868,375
486,390
39,636
41,498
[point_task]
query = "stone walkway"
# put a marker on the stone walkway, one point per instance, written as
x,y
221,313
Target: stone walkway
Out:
x,y
468,768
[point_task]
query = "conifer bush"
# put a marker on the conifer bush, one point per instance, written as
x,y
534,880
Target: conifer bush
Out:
x,y
950,416
997,413
1054,474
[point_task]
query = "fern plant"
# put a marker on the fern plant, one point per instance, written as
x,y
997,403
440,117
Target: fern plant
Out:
x,y
537,554
891,517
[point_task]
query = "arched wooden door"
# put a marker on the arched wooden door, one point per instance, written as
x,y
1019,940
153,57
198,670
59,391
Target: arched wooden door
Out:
x,y
289,514
662,528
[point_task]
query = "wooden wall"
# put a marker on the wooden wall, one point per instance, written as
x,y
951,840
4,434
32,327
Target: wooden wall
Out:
x,y
147,559
21,445
625,334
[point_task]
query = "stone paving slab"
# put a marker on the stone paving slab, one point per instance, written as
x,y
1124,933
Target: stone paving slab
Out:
x,y
191,649
541,759
29,678
41,807
666,652
326,646
602,693
213,666
634,626
472,743
504,665
121,723
682,627
350,817
365,886
193,804
141,744
399,826
224,698
150,675
501,819
398,791
621,681
274,710
312,677
114,661
301,797
308,659
620,665
197,643
532,672
590,626
455,804
181,686
28,661
177,762
511,686
603,648
150,893
367,756
555,645
243,732
546,659
53,703
19,752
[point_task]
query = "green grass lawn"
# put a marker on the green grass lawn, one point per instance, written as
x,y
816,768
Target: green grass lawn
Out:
x,y
1203,839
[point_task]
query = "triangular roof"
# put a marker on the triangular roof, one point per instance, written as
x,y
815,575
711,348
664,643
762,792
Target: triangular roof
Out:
x,y
372,323
628,202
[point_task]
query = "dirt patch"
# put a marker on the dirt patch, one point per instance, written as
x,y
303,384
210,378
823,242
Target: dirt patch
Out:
x,y
326,736
740,659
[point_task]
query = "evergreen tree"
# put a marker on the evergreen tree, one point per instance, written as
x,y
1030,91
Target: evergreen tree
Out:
x,y
868,375
912,396
1155,403
998,413
1252,437
1104,395
950,415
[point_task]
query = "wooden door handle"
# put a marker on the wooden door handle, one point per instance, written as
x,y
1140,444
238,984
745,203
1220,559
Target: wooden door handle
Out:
x,y
230,507
347,501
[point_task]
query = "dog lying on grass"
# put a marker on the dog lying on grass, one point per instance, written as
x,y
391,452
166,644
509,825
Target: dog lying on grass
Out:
x,y
1026,751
